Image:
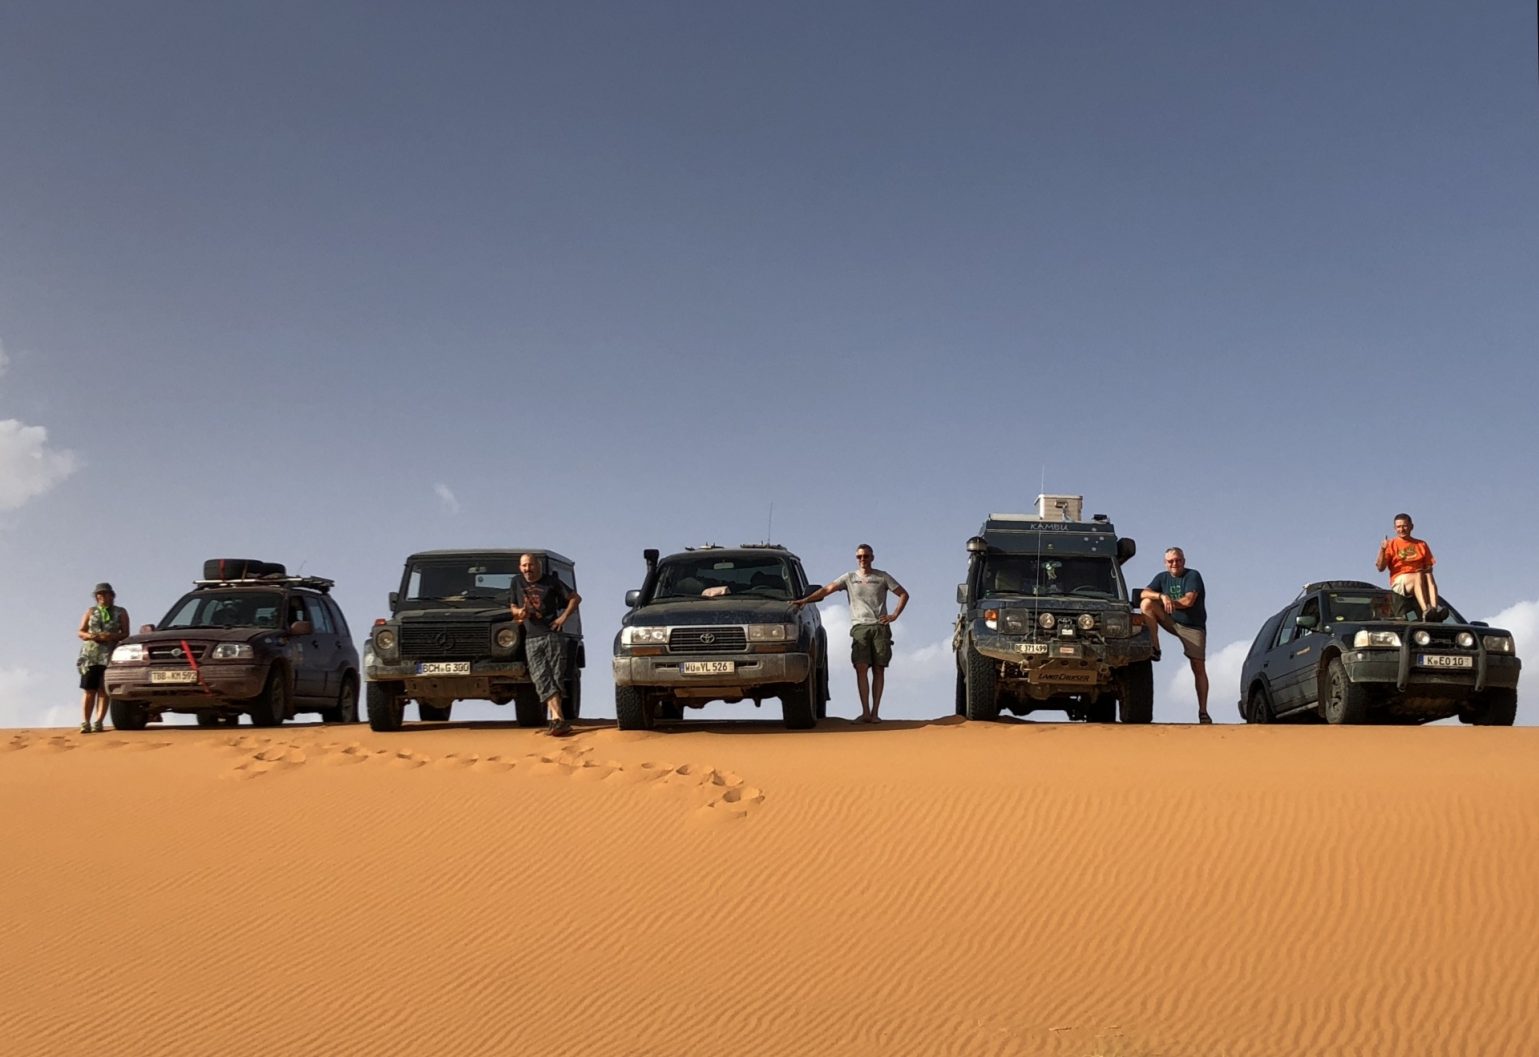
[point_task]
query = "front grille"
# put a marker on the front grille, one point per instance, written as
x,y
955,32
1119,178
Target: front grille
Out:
x,y
721,639
171,652
446,640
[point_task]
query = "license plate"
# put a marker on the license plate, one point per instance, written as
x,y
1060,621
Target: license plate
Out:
x,y
1444,660
443,668
1031,647
175,675
708,667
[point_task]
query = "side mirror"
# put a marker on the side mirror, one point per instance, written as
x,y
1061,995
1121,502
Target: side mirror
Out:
x,y
631,598
1126,548
145,629
964,596
977,545
300,628
1308,622
395,599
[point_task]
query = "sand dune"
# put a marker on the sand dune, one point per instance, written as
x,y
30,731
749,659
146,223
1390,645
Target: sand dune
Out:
x,y
943,888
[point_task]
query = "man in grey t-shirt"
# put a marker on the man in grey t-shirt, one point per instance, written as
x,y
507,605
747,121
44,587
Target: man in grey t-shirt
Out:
x,y
870,636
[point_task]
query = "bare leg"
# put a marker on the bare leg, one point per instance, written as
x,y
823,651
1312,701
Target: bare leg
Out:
x,y
878,679
101,707
87,706
553,707
1200,677
864,691
1431,587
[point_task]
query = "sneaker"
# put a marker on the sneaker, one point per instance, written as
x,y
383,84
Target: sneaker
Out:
x,y
1154,656
99,727
85,728
561,729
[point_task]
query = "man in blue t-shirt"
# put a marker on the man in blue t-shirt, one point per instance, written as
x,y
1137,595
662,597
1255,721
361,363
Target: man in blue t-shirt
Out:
x,y
1177,601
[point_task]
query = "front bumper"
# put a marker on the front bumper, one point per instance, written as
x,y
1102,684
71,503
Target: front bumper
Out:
x,y
220,682
483,680
750,671
1395,670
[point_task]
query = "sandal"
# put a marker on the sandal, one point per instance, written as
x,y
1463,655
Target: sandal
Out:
x,y
1204,718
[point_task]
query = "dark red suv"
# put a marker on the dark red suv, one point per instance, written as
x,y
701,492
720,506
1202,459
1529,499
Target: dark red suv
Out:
x,y
247,639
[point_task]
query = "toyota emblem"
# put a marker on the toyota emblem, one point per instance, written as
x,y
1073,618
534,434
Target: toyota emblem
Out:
x,y
708,638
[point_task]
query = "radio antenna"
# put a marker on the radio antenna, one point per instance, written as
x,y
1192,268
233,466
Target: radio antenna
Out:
x,y
769,528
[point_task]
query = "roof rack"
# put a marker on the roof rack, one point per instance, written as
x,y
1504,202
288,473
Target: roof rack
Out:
x,y
319,583
762,546
1338,585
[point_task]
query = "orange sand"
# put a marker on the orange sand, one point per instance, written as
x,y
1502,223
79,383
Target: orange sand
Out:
x,y
941,888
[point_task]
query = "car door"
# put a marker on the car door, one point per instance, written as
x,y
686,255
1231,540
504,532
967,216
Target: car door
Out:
x,y
1278,664
328,677
1309,639
308,650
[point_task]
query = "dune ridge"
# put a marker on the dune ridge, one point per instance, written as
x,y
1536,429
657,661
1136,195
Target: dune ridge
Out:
x,y
923,888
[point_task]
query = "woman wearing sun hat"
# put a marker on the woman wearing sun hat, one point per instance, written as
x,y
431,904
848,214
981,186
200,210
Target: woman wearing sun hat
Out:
x,y
103,627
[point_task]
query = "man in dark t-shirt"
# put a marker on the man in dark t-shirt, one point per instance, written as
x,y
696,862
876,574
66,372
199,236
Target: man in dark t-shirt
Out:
x,y
542,604
1177,601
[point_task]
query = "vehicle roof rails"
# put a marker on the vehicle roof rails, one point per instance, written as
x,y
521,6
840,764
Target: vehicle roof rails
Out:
x,y
318,583
1338,585
762,546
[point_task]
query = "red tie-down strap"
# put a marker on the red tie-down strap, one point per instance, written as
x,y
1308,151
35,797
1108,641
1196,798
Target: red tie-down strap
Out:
x,y
193,661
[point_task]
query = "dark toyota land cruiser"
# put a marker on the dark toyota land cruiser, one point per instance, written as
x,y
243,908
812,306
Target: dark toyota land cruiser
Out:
x,y
1352,652
1046,622
247,639
717,624
451,637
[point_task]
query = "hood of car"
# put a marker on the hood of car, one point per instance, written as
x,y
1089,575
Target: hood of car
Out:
x,y
451,615
713,611
174,635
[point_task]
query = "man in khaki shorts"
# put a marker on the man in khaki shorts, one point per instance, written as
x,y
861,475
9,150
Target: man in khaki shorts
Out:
x,y
1177,601
1410,561
870,634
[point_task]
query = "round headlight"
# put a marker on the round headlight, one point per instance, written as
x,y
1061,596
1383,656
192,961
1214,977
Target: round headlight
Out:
x,y
506,638
1421,638
1086,622
1464,640
1046,621
384,639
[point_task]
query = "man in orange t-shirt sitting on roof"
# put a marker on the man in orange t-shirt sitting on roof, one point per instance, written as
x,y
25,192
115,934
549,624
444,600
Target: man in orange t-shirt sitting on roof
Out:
x,y
1410,561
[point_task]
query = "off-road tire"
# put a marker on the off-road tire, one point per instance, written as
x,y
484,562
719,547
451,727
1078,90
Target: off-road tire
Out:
x,y
387,706
571,695
347,704
982,689
1258,706
798,704
631,712
432,713
1496,707
128,715
271,707
961,693
528,707
1341,700
1135,692
823,697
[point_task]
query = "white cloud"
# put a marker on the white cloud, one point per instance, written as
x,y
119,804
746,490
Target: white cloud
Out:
x,y
1522,620
28,466
446,496
1176,702
25,701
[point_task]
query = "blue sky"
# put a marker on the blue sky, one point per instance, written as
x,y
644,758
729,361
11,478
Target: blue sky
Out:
x,y
326,283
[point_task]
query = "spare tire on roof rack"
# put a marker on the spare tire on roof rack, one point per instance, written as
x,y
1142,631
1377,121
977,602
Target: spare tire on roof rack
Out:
x,y
240,569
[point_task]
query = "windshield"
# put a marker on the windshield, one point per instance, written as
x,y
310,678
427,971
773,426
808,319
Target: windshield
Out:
x,y
461,579
1362,606
226,609
707,577
1088,576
